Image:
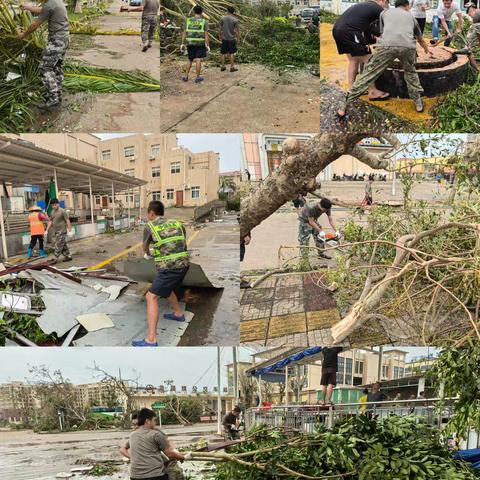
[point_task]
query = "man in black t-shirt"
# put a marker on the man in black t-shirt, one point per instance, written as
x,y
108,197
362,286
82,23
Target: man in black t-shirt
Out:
x,y
329,372
231,423
353,31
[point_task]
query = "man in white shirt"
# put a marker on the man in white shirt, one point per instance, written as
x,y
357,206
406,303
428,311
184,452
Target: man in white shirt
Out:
x,y
445,11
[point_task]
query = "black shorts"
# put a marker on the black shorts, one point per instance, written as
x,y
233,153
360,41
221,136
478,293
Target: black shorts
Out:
x,y
168,281
352,42
329,377
163,477
196,51
242,251
228,46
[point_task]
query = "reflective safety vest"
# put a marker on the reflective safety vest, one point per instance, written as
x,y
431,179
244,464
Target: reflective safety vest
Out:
x,y
36,224
169,240
195,30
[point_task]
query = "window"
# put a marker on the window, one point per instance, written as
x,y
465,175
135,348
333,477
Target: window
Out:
x,y
195,192
129,152
130,172
170,193
97,199
384,371
155,151
157,195
106,155
358,367
175,167
398,372
155,171
129,197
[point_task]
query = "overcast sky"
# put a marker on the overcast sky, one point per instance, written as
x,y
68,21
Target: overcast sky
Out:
x,y
227,145
185,365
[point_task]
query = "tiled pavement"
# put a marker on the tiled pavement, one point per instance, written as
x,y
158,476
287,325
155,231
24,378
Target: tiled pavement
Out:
x,y
296,310
288,310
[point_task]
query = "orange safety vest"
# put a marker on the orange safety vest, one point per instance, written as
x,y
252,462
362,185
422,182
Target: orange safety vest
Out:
x,y
36,225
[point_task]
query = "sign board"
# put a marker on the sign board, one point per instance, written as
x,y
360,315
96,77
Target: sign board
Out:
x,y
158,405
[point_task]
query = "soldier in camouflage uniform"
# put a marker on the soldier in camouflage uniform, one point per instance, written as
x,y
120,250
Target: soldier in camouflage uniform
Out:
x,y
172,261
61,224
149,9
54,13
400,33
309,226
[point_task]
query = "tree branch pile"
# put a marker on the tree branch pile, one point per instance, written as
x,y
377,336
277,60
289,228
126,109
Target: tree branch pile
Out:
x,y
359,448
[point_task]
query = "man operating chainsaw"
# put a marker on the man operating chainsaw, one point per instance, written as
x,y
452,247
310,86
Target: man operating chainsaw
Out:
x,y
309,225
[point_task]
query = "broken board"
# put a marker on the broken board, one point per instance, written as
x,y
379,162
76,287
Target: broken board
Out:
x,y
143,270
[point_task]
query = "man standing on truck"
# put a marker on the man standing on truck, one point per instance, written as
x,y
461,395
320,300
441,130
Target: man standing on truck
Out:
x,y
196,37
230,37
149,9
54,13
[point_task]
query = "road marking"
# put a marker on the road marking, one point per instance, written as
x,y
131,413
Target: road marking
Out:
x,y
124,252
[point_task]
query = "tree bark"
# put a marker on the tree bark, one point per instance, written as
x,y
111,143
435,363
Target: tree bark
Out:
x,y
297,173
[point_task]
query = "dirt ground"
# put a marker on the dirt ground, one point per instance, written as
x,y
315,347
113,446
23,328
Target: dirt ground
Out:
x,y
111,112
25,455
253,99
333,70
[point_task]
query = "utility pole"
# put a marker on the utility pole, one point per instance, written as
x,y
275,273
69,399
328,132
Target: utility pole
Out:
x,y
380,360
219,395
235,375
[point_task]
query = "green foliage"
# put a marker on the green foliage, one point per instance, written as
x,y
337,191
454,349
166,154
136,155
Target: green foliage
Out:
x,y
327,17
359,448
459,111
457,370
187,408
27,326
100,470
277,44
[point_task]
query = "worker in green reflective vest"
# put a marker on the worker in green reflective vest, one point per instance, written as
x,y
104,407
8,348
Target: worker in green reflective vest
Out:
x,y
171,260
195,39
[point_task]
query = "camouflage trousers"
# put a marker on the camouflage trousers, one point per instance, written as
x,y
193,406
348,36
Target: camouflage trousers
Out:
x,y
61,247
174,471
51,69
304,232
383,58
149,25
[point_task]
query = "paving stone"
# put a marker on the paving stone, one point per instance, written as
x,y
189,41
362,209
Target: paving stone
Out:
x,y
322,319
256,295
313,278
269,282
295,340
254,312
287,306
253,330
317,298
290,281
371,333
285,324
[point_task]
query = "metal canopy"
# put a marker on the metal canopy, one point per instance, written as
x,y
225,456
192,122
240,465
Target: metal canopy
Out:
x,y
23,163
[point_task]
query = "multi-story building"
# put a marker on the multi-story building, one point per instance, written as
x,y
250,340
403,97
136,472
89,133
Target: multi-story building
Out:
x,y
175,175
15,398
262,154
356,368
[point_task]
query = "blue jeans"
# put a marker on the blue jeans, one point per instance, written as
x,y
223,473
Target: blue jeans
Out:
x,y
436,27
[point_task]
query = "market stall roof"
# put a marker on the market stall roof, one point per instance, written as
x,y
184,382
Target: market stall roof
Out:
x,y
294,356
23,163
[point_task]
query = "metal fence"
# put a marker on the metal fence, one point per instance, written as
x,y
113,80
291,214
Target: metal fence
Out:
x,y
307,418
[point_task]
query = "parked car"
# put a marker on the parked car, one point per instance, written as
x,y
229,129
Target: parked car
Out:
x,y
307,14
135,3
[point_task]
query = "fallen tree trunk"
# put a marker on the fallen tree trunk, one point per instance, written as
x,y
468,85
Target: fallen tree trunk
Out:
x,y
298,170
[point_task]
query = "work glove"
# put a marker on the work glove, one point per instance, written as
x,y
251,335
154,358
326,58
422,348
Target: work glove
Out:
x,y
188,456
321,236
147,256
70,233
338,234
182,48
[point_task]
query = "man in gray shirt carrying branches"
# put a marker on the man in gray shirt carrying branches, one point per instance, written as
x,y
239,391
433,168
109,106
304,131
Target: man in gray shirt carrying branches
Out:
x,y
230,37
